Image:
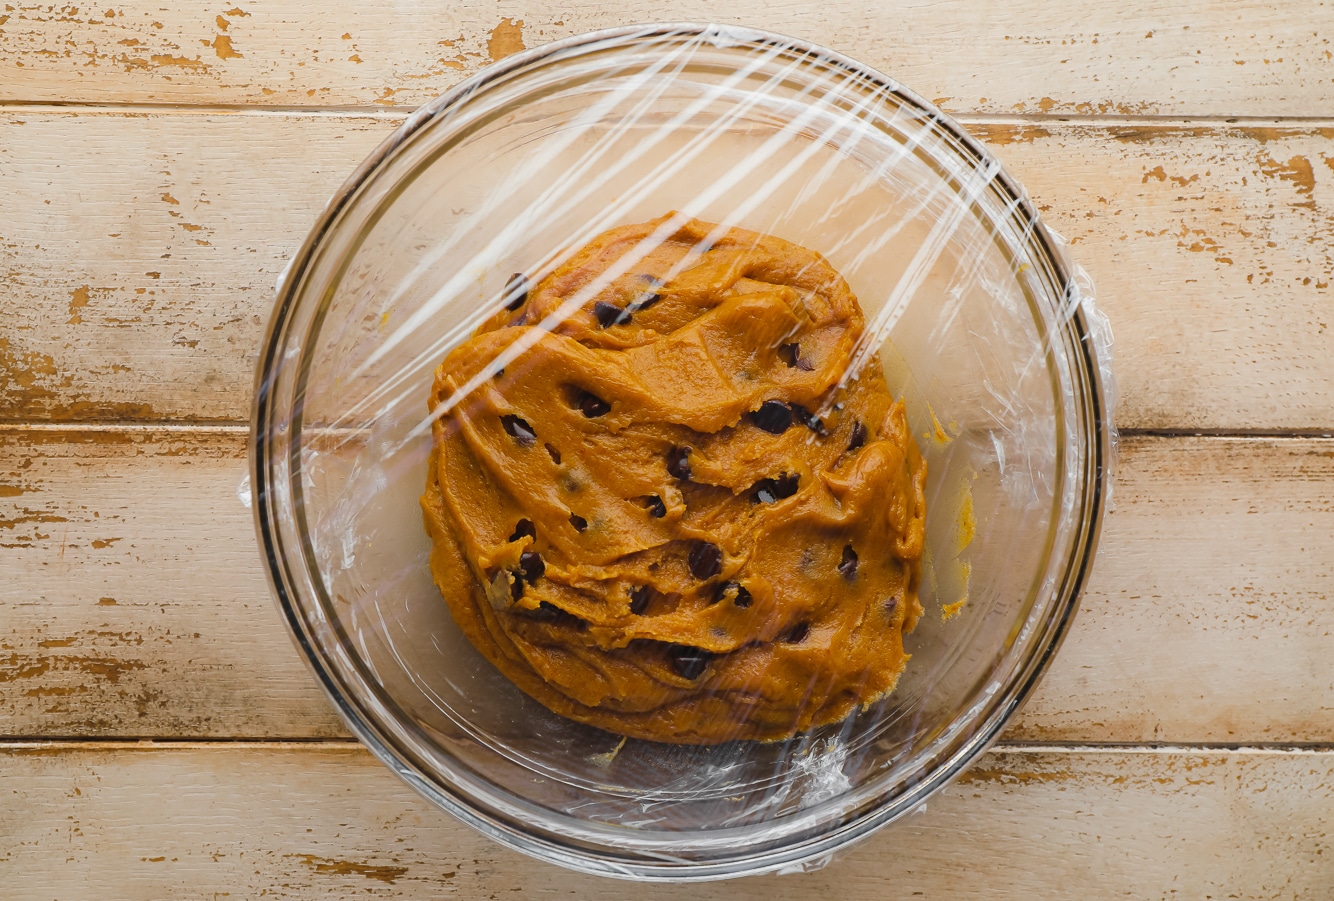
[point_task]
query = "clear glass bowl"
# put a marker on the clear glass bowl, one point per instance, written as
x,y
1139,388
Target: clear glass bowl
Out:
x,y
976,319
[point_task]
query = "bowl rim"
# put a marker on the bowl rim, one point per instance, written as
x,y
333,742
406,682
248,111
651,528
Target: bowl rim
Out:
x,y
505,826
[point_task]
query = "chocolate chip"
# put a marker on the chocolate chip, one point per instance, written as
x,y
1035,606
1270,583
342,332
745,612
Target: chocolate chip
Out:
x,y
687,662
643,302
516,586
848,566
639,599
705,560
858,436
523,527
591,405
678,462
740,595
656,508
550,613
499,373
797,634
810,420
516,291
578,522
555,454
531,565
773,416
519,430
608,314
768,491
789,353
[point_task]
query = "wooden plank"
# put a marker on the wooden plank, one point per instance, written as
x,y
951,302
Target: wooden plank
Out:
x,y
1207,618
1196,58
139,271
323,821
135,602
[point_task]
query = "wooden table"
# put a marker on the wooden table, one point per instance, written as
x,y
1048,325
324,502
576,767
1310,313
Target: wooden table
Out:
x,y
160,162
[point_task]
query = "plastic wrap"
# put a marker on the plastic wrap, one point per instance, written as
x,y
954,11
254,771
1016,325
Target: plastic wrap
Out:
x,y
972,316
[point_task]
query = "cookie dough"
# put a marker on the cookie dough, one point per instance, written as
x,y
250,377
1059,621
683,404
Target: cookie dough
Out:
x,y
661,503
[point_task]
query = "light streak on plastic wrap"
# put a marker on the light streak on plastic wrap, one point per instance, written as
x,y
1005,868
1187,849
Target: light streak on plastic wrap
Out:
x,y
973,311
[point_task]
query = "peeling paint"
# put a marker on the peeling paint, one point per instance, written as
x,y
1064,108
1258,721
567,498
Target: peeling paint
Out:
x,y
222,45
506,38
349,868
78,299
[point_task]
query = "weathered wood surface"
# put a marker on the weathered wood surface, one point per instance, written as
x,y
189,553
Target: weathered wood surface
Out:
x,y
160,162
135,602
328,821
1196,58
139,271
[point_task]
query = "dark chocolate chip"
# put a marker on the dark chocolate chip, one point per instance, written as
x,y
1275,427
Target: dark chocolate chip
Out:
x,y
516,291
809,420
643,302
858,436
639,599
789,353
687,662
656,508
773,416
578,522
705,560
678,462
546,612
519,430
499,373
797,634
523,527
740,596
591,405
530,563
848,565
608,314
555,454
516,586
768,491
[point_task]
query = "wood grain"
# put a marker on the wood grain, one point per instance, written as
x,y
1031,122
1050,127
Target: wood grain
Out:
x,y
307,822
1195,58
136,605
139,271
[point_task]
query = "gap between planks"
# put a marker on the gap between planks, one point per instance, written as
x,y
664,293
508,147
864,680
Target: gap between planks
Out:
x,y
73,745
111,108
235,427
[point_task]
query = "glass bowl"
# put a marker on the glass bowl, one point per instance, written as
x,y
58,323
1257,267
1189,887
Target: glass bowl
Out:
x,y
978,323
